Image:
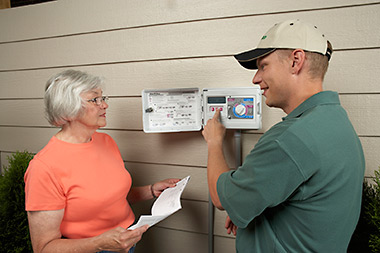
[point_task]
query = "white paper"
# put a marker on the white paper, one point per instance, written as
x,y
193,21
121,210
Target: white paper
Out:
x,y
166,204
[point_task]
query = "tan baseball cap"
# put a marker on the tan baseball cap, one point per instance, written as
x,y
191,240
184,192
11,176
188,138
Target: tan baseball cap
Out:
x,y
290,34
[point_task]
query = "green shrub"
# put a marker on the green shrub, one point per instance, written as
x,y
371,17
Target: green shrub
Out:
x,y
14,230
374,214
366,237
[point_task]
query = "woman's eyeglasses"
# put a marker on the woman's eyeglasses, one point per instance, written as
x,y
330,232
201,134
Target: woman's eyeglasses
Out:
x,y
99,100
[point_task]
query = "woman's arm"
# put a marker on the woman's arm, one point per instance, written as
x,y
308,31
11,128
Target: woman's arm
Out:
x,y
44,227
141,193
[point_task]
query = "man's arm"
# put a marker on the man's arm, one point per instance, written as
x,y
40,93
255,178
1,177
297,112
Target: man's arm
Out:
x,y
213,133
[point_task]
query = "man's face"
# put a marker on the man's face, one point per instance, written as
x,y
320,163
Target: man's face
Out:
x,y
272,75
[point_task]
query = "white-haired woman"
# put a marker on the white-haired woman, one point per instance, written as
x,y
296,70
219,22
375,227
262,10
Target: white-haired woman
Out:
x,y
78,192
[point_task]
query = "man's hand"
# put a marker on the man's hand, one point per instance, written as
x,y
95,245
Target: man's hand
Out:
x,y
230,226
214,131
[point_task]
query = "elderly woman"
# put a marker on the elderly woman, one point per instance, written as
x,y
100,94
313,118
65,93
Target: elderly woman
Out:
x,y
78,192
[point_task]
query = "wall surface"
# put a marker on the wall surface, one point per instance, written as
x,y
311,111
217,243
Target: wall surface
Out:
x,y
138,45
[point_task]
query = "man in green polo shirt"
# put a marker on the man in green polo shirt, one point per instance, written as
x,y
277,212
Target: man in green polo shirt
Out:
x,y
299,189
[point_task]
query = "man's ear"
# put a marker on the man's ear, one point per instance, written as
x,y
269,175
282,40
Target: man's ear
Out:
x,y
298,57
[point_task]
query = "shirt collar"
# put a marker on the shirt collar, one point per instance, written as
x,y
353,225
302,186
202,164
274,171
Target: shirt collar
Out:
x,y
321,98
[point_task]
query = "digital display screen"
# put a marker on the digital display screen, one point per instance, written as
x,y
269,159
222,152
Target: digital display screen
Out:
x,y
216,100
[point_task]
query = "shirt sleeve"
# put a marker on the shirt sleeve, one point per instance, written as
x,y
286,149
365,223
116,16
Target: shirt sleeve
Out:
x,y
268,176
42,189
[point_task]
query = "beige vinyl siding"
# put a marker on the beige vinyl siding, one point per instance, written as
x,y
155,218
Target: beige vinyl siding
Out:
x,y
138,45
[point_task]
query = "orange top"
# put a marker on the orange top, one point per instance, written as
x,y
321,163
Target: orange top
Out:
x,y
88,180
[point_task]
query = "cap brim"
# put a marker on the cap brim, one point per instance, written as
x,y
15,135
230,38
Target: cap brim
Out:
x,y
248,59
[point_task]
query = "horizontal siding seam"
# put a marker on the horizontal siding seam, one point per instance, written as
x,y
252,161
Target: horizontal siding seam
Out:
x,y
191,21
154,60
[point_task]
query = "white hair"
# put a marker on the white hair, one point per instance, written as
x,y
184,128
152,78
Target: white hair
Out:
x,y
62,95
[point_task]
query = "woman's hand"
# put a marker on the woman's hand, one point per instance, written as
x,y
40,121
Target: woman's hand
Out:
x,y
159,187
119,239
147,192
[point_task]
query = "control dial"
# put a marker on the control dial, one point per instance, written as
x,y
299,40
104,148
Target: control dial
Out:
x,y
240,110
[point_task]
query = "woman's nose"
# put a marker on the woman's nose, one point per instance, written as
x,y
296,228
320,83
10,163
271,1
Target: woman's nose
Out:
x,y
104,105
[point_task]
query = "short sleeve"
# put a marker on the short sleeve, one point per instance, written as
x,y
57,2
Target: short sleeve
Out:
x,y
42,189
267,177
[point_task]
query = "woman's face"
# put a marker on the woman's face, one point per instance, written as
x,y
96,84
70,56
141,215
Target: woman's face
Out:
x,y
93,115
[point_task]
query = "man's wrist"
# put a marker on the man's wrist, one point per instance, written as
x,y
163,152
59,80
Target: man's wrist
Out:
x,y
215,145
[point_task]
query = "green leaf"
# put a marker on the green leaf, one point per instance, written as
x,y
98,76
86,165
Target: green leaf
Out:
x,y
14,229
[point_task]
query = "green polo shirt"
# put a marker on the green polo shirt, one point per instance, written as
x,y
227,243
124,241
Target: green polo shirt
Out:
x,y
299,189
